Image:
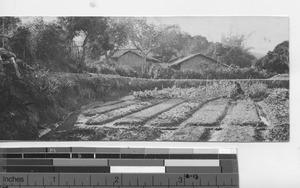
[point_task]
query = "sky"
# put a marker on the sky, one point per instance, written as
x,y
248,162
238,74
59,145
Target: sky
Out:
x,y
264,33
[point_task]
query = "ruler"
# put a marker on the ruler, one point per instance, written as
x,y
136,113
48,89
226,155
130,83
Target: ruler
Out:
x,y
118,167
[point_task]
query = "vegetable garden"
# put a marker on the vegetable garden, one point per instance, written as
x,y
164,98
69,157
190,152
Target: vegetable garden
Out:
x,y
204,113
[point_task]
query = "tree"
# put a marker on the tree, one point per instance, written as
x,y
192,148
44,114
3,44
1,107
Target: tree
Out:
x,y
171,44
143,36
113,39
51,48
8,25
21,44
232,51
235,40
276,61
236,56
91,29
197,44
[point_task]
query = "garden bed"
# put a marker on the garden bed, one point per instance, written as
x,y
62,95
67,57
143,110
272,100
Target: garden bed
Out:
x,y
130,133
174,116
103,109
244,113
187,134
144,115
118,113
277,106
210,114
234,133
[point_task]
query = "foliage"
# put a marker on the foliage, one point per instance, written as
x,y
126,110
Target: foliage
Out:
x,y
18,120
278,95
230,73
93,30
279,133
256,90
169,73
235,40
142,35
172,44
203,92
106,69
10,24
51,46
21,44
126,71
276,61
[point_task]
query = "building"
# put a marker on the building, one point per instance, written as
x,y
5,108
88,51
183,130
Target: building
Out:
x,y
197,62
134,59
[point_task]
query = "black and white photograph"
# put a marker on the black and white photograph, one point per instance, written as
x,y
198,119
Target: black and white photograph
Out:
x,y
175,78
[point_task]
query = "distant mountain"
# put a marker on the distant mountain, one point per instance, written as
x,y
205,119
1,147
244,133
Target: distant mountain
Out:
x,y
258,55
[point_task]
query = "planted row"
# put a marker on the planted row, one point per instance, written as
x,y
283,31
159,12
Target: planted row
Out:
x,y
144,115
174,116
111,115
210,114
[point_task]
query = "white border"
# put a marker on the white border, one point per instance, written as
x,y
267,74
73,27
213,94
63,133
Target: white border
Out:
x,y
274,165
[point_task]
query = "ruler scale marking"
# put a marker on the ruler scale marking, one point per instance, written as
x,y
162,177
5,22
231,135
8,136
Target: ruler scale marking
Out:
x,y
142,167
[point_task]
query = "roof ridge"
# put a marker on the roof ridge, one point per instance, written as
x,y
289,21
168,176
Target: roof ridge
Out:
x,y
181,60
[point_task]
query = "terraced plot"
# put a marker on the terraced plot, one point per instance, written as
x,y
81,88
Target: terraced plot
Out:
x,y
210,114
174,116
218,119
245,113
144,115
111,115
240,123
105,108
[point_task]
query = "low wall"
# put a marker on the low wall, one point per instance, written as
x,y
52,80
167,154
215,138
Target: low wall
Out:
x,y
112,82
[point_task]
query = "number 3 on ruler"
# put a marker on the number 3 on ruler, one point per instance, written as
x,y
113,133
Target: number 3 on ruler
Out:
x,y
180,180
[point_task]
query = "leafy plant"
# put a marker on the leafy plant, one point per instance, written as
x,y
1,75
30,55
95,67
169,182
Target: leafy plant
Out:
x,y
256,90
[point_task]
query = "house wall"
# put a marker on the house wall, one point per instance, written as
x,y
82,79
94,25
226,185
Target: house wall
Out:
x,y
134,61
199,63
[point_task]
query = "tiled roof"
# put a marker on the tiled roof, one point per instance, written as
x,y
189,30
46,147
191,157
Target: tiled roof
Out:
x,y
121,52
181,60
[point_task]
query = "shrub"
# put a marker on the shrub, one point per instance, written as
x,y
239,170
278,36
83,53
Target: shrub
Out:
x,y
279,133
126,71
256,90
203,92
106,69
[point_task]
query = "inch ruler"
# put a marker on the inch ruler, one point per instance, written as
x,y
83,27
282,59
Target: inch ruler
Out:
x,y
118,167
